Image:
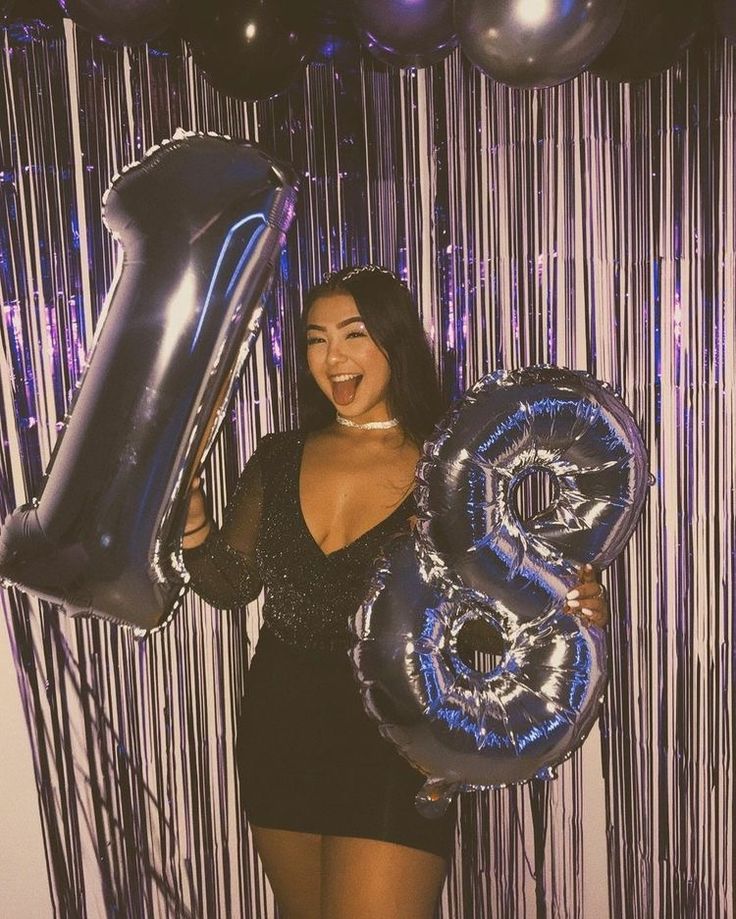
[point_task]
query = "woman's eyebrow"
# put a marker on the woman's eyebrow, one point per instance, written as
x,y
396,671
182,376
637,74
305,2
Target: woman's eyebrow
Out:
x,y
340,325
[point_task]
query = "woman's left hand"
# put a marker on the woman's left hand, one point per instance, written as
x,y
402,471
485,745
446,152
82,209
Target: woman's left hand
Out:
x,y
588,599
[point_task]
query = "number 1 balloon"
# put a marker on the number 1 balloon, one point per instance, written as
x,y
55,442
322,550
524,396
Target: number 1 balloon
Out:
x,y
476,558
201,221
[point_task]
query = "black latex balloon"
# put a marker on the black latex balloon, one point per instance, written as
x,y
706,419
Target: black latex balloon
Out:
x,y
535,43
252,49
128,23
724,13
168,44
652,35
22,12
335,36
406,34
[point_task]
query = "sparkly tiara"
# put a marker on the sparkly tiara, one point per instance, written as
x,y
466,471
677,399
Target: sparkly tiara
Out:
x,y
355,272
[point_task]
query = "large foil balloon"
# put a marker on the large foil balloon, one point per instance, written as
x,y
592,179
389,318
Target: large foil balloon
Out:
x,y
251,49
128,23
201,221
476,558
412,34
652,35
535,43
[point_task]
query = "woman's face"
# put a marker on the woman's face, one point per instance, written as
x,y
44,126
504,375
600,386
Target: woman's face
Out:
x,y
346,363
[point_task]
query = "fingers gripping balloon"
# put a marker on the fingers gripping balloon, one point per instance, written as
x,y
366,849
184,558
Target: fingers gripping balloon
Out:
x,y
201,221
474,557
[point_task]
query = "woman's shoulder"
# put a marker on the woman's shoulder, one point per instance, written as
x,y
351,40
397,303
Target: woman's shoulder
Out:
x,y
267,462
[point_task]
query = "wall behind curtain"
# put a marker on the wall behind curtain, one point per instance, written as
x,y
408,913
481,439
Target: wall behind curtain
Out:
x,y
592,226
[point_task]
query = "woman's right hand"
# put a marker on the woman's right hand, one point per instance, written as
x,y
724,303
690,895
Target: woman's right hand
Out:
x,y
197,522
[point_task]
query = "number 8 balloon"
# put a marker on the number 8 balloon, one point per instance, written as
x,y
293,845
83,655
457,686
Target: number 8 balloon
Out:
x,y
475,557
201,221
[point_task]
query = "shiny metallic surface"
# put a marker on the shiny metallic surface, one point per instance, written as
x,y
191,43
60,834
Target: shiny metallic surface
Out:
x,y
201,221
461,727
475,557
249,49
535,43
405,34
548,420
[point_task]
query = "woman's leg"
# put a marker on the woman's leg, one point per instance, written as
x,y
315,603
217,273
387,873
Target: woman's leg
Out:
x,y
368,879
292,862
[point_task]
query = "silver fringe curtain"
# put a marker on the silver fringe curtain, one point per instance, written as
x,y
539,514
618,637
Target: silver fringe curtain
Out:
x,y
592,226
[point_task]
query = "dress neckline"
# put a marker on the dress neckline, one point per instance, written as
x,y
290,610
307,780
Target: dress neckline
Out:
x,y
301,440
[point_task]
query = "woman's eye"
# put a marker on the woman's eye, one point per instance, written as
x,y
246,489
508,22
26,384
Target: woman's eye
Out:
x,y
314,341
357,333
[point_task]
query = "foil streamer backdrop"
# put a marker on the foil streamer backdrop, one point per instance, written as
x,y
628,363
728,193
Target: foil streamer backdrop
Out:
x,y
591,226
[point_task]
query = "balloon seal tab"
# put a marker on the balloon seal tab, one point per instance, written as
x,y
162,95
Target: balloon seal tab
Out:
x,y
435,796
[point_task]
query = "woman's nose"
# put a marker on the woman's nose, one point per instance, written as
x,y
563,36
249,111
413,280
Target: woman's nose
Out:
x,y
335,353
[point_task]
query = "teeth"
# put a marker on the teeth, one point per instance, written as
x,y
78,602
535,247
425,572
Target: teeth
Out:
x,y
340,378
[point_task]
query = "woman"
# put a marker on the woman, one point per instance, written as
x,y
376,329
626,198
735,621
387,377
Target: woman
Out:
x,y
330,802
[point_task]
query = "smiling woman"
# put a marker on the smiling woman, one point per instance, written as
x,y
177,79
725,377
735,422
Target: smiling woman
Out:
x,y
358,326
383,318
342,355
329,801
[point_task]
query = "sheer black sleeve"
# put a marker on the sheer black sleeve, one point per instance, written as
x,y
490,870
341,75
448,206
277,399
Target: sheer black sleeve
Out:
x,y
223,568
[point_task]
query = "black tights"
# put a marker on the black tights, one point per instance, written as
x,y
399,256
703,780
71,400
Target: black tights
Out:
x,y
337,877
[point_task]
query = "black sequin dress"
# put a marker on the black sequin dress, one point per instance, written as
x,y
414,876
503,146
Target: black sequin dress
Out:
x,y
309,758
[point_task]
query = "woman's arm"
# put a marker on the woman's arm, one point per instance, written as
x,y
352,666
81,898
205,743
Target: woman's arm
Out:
x,y
222,562
199,523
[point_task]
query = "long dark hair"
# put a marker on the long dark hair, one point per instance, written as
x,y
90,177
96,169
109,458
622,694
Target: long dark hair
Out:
x,y
393,322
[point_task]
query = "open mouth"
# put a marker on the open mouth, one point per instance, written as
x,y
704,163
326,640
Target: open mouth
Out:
x,y
344,387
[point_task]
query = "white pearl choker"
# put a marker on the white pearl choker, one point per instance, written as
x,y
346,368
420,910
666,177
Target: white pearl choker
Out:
x,y
368,425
